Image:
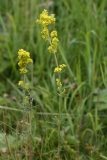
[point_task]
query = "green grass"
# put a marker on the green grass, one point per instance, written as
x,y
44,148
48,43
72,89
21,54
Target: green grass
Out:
x,y
81,26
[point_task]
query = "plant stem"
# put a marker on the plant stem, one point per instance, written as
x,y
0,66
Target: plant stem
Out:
x,y
59,126
60,102
56,60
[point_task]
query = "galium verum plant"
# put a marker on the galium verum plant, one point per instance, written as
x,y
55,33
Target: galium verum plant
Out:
x,y
51,36
24,60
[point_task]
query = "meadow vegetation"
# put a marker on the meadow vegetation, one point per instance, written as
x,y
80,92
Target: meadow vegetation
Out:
x,y
37,121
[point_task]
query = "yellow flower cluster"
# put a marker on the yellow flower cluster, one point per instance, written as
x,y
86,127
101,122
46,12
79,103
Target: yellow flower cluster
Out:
x,y
59,69
53,34
62,66
54,45
59,84
20,83
24,59
46,20
45,33
25,86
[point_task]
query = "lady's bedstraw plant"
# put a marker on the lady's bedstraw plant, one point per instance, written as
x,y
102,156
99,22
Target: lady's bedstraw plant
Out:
x,y
24,60
46,20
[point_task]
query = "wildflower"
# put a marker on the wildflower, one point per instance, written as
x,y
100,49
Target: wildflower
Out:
x,y
53,33
45,19
62,66
51,49
54,45
55,40
23,70
24,59
59,84
57,69
26,85
20,83
45,33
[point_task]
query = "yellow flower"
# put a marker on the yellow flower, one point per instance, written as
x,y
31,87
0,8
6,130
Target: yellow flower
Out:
x,y
55,40
54,45
20,83
57,69
50,49
24,59
23,70
26,86
53,34
45,33
62,66
58,82
45,19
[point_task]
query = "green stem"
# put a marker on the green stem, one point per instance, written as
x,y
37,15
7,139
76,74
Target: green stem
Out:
x,y
60,102
59,126
24,115
56,60
23,89
30,117
32,75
